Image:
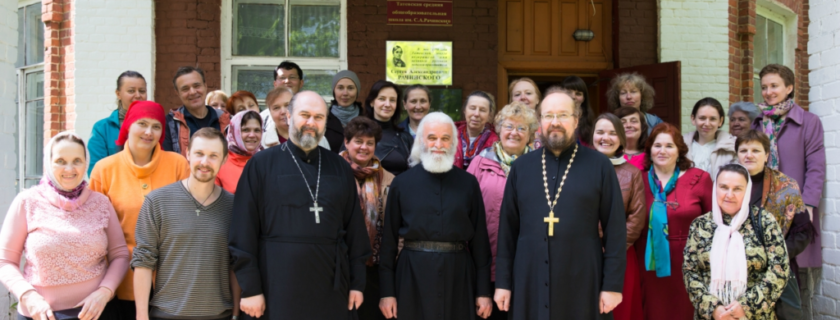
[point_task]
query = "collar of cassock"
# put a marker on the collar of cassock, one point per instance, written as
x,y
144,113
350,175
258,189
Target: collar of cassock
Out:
x,y
310,158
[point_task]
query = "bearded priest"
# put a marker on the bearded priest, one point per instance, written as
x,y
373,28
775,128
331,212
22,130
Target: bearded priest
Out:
x,y
551,264
443,271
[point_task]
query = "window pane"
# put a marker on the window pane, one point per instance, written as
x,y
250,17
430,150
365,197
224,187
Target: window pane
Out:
x,y
319,81
21,56
314,31
775,49
34,137
34,34
259,29
757,90
34,86
257,80
760,44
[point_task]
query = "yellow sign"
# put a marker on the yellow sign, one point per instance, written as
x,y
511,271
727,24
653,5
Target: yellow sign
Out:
x,y
419,62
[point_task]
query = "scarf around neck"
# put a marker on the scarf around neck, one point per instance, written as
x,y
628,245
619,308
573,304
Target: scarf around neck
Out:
x,y
505,160
345,114
470,150
771,125
234,135
728,257
657,251
617,161
68,195
369,190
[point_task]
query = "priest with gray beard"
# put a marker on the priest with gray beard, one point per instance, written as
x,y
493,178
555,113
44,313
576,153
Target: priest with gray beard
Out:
x,y
443,270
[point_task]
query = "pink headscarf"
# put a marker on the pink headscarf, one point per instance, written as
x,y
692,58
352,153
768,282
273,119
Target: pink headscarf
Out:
x,y
728,257
234,134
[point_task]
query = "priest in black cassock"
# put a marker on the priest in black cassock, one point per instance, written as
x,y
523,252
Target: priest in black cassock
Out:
x,y
551,263
443,270
298,240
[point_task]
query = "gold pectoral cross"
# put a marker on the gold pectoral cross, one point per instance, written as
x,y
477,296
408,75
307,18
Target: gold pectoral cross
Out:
x,y
551,220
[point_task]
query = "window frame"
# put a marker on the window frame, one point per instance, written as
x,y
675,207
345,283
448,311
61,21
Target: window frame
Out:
x,y
789,22
21,73
229,61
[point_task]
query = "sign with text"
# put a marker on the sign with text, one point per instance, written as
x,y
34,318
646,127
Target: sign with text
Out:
x,y
419,62
420,12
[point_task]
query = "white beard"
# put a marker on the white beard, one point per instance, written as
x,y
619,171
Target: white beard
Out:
x,y
436,163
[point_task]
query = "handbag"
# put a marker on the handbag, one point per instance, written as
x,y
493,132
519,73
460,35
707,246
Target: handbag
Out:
x,y
789,305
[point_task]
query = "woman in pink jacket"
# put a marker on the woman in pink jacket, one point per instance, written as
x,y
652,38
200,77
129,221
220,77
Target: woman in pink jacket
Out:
x,y
515,125
70,236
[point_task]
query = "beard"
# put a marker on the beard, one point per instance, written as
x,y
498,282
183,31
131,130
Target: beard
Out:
x,y
557,144
198,176
437,163
306,141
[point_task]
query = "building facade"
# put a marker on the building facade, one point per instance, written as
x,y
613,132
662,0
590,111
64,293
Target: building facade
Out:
x,y
59,63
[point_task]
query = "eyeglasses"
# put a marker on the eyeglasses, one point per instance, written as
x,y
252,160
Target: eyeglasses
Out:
x,y
283,79
563,117
510,127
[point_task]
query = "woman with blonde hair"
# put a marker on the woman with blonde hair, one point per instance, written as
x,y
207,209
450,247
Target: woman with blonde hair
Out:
x,y
631,90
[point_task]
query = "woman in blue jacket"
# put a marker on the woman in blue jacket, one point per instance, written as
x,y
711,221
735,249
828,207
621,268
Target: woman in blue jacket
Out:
x,y
131,86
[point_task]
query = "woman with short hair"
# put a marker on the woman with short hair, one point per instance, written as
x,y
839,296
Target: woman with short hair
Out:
x,y
244,137
741,116
476,131
70,237
631,90
217,99
372,182
131,86
526,91
675,193
417,101
709,147
736,261
381,106
240,101
636,133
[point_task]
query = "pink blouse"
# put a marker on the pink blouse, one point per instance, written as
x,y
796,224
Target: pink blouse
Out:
x,y
71,247
637,161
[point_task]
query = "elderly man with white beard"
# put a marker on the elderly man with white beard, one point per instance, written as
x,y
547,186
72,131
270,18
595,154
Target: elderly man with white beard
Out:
x,y
443,271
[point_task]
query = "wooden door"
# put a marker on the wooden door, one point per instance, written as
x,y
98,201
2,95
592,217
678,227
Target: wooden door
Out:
x,y
665,79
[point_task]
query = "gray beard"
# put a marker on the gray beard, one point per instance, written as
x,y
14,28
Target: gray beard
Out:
x,y
307,141
557,145
437,163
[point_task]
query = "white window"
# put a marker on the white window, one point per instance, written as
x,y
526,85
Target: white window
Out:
x,y
259,34
30,70
774,40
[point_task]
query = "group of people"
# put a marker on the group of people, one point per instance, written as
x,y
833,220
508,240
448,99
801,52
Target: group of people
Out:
x,y
338,210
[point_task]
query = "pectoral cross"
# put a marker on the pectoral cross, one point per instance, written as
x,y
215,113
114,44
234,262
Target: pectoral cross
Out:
x,y
551,220
317,211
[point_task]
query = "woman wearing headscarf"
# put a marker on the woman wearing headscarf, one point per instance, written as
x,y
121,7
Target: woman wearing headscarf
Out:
x,y
244,137
516,124
475,132
343,107
372,183
609,139
797,149
128,176
131,86
70,237
735,262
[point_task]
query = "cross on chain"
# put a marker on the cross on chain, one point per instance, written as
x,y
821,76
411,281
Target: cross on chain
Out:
x,y
551,220
317,211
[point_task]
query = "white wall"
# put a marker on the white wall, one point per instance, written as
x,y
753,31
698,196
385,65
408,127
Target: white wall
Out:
x,y
8,124
696,32
111,36
824,62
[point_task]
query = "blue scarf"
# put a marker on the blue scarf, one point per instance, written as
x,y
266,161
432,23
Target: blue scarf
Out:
x,y
657,251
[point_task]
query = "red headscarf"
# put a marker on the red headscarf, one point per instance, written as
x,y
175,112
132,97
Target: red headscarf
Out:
x,y
140,110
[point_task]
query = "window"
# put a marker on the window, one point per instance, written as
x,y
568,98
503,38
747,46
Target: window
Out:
x,y
30,100
768,45
258,34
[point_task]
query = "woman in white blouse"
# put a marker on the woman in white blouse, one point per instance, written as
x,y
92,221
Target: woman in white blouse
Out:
x,y
708,146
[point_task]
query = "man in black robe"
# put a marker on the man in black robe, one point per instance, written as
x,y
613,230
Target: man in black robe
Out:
x,y
296,257
443,271
552,258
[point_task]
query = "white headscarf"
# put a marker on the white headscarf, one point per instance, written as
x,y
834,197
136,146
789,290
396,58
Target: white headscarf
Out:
x,y
728,258
48,172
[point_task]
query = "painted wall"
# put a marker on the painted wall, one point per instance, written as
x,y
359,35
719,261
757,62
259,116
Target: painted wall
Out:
x,y
8,124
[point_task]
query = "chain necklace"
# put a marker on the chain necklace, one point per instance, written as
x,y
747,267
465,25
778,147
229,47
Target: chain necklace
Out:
x,y
316,209
551,219
197,210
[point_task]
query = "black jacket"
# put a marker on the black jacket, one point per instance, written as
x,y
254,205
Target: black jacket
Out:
x,y
335,131
394,148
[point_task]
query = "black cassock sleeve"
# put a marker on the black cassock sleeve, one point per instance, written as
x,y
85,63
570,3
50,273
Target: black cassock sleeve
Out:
x,y
508,234
390,238
480,243
243,238
615,230
357,238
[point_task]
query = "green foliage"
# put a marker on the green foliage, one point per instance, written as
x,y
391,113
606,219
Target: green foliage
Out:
x,y
314,31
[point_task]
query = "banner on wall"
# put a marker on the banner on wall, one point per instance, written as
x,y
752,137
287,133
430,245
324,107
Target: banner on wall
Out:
x,y
419,62
420,12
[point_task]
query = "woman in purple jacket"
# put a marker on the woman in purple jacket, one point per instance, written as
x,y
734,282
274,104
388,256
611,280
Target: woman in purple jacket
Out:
x,y
797,150
515,125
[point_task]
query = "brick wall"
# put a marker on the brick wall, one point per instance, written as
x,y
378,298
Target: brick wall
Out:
x,y
473,35
8,124
696,33
637,33
59,97
111,36
187,33
824,99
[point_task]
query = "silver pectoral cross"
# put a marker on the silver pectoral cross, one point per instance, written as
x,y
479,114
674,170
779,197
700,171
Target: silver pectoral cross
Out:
x,y
317,211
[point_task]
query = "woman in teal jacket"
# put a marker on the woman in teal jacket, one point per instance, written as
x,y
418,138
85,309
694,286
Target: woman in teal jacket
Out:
x,y
131,86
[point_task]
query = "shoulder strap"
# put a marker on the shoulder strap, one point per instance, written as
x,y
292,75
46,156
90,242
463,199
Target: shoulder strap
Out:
x,y
758,226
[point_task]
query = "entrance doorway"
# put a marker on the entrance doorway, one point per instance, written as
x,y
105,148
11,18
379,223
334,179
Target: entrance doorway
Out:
x,y
546,81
